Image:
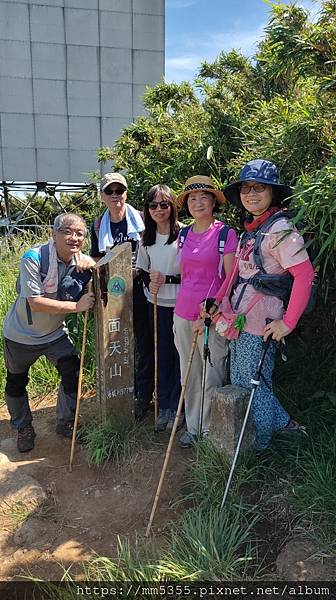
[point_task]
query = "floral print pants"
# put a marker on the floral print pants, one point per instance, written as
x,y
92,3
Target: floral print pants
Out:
x,y
267,413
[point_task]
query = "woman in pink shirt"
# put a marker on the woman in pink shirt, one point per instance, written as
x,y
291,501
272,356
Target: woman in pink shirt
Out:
x,y
270,253
203,270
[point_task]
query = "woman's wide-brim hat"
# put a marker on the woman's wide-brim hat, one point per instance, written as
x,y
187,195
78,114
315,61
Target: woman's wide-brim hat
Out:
x,y
200,183
261,171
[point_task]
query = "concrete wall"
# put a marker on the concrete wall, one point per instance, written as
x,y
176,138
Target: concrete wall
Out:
x,y
72,73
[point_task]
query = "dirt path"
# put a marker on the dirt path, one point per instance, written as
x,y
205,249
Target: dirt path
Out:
x,y
85,510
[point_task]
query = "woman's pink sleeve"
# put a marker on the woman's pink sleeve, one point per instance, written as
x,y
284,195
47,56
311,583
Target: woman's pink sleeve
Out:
x,y
231,242
303,274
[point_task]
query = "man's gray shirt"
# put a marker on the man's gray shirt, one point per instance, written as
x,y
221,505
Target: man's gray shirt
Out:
x,y
45,327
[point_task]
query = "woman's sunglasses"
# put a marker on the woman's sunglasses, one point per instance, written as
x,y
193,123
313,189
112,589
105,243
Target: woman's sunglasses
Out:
x,y
117,191
162,205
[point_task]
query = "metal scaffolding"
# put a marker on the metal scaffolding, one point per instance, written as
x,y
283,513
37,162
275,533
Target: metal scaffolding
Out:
x,y
17,198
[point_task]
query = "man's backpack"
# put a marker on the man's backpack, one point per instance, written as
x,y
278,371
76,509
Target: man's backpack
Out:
x,y
278,285
71,287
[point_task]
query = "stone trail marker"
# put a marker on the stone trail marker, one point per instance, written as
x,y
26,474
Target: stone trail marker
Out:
x,y
113,285
228,410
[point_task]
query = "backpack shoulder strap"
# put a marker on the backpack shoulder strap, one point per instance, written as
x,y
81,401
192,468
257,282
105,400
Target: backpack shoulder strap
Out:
x,y
44,264
222,238
96,225
257,255
182,236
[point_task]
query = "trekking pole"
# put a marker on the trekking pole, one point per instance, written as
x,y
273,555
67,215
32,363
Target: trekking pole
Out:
x,y
155,392
255,382
206,357
172,435
79,385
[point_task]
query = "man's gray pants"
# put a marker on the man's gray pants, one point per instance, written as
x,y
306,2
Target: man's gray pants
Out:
x,y
20,357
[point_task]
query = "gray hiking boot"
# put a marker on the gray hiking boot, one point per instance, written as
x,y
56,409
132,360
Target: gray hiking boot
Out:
x,y
25,439
163,418
187,439
171,420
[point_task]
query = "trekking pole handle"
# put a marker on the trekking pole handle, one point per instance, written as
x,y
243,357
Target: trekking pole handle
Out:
x,y
209,302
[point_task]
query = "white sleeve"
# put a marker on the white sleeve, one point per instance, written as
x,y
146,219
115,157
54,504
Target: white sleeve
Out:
x,y
142,261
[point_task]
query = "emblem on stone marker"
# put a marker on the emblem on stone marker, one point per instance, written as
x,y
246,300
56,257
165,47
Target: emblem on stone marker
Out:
x,y
116,286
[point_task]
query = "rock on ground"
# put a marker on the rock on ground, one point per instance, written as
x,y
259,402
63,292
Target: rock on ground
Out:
x,y
299,561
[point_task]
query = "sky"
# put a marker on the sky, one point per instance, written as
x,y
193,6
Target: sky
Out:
x,y
198,30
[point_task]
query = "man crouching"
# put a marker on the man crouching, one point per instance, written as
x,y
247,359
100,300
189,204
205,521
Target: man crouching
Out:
x,y
48,287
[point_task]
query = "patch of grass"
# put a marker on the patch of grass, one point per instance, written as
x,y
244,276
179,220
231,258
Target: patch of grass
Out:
x,y
314,492
211,544
114,441
132,563
209,473
306,384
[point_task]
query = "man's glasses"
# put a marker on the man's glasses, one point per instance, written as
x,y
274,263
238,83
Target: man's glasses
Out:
x,y
257,187
67,232
154,205
117,192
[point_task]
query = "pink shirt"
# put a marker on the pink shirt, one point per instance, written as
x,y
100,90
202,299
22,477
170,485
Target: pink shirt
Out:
x,y
199,267
278,256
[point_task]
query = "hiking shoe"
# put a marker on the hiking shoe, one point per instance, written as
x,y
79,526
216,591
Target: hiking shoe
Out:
x,y
290,436
187,439
293,428
171,420
163,419
25,439
65,429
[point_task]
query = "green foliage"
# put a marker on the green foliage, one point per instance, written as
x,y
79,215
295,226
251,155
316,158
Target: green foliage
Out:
x,y
208,476
280,105
310,398
211,544
132,564
116,440
165,147
316,196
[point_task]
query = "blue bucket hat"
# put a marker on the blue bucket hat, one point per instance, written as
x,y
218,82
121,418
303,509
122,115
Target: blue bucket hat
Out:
x,y
261,171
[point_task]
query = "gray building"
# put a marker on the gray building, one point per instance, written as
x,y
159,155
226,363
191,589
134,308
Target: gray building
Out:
x,y
72,73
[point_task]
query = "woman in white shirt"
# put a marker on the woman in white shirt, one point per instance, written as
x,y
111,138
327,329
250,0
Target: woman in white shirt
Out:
x,y
157,258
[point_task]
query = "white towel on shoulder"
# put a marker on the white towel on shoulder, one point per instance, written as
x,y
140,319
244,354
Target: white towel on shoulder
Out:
x,y
135,226
50,283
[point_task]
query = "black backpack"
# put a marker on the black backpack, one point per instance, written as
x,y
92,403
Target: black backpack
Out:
x,y
279,285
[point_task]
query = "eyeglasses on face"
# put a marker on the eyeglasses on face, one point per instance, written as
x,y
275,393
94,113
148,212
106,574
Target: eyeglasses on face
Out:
x,y
117,191
67,232
163,205
245,188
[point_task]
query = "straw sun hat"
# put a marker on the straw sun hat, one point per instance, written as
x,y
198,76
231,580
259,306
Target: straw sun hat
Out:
x,y
197,183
